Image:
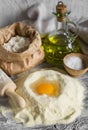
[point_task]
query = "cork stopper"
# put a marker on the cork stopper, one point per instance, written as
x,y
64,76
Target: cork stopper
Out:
x,y
61,9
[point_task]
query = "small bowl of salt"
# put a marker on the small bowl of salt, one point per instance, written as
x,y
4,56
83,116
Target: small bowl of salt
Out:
x,y
76,64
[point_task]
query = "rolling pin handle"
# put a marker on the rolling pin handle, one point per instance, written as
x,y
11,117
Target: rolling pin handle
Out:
x,y
16,99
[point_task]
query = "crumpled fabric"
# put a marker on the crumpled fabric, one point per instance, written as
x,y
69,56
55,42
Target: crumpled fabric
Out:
x,y
39,18
83,35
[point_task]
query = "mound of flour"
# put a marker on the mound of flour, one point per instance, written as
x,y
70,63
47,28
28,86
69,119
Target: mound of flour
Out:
x,y
45,110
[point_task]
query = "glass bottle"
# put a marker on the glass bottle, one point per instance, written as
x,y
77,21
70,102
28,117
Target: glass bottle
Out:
x,y
62,41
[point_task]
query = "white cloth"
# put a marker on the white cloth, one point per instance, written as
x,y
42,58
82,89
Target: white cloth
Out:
x,y
39,18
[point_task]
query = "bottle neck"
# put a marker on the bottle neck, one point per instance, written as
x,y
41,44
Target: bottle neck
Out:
x,y
61,25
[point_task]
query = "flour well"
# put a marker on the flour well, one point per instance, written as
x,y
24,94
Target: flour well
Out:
x,y
17,44
44,109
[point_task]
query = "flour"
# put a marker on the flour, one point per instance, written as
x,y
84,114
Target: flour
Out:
x,y
17,44
46,110
75,63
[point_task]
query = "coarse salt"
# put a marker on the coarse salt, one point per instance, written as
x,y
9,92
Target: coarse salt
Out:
x,y
74,62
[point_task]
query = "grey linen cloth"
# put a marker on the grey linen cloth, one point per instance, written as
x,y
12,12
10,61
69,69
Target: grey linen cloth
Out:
x,y
83,35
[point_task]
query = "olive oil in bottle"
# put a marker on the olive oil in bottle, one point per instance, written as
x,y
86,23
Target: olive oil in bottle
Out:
x,y
62,41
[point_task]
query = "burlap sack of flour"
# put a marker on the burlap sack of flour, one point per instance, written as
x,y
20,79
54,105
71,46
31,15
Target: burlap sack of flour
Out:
x,y
14,63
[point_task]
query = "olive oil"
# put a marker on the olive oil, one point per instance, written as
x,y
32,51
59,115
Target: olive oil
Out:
x,y
58,39
62,41
56,47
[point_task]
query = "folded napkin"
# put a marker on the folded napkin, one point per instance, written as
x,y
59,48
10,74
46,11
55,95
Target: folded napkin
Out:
x,y
39,18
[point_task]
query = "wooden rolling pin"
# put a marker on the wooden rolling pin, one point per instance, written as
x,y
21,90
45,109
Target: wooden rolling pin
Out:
x,y
8,87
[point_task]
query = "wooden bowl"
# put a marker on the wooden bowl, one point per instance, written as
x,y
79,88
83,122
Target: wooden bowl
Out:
x,y
76,64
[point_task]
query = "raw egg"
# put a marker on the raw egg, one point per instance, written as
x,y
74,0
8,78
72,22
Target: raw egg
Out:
x,y
47,88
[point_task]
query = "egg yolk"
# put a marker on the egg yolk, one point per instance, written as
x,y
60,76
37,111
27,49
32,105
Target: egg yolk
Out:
x,y
47,88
